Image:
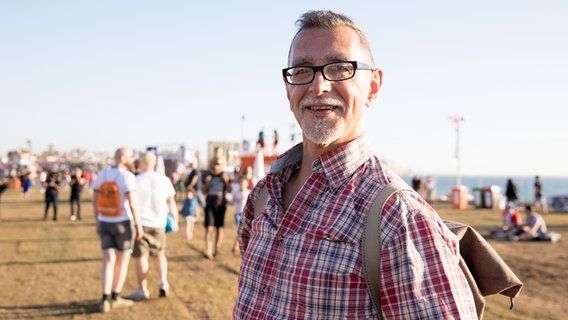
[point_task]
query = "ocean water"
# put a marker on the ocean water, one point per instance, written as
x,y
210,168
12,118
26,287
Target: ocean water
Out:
x,y
551,186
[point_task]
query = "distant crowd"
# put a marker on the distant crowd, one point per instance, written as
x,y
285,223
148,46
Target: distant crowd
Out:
x,y
133,218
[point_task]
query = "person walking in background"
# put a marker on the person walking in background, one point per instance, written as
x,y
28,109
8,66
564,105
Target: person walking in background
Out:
x,y
195,183
156,199
430,186
27,184
189,213
16,182
77,183
239,198
118,225
51,194
216,186
417,185
248,175
539,199
260,140
218,155
511,193
193,196
275,143
301,257
3,187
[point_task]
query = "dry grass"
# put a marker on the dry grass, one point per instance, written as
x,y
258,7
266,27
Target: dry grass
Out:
x,y
50,270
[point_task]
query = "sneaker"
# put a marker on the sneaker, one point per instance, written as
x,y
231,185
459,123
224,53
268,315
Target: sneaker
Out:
x,y
140,295
164,290
121,303
105,306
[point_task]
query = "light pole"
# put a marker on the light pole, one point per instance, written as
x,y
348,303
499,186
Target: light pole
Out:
x,y
456,119
243,135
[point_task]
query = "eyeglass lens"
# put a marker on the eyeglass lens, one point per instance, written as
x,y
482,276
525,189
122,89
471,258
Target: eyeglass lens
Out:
x,y
331,72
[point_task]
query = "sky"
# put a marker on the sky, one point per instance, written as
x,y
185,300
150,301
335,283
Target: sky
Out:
x,y
98,75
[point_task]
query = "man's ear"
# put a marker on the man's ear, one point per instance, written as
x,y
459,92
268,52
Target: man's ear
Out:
x,y
374,86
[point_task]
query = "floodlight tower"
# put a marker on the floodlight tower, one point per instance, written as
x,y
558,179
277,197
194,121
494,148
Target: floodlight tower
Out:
x,y
456,119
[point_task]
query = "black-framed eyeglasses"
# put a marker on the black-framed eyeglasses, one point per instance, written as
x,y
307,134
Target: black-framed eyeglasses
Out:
x,y
335,71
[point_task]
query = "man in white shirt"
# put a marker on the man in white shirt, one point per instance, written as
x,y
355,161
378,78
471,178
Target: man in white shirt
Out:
x,y
156,197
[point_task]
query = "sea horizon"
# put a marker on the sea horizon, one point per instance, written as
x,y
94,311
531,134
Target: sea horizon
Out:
x,y
552,185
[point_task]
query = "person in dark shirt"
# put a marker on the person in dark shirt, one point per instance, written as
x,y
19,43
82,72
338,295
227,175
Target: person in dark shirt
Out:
x,y
51,194
77,183
511,193
3,187
216,186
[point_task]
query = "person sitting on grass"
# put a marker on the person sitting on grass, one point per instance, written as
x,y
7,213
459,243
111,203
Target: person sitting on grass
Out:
x,y
511,225
239,198
534,227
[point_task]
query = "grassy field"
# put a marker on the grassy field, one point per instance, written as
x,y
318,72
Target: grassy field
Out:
x,y
51,269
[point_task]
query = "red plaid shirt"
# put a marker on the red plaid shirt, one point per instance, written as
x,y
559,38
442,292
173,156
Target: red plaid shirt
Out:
x,y
306,263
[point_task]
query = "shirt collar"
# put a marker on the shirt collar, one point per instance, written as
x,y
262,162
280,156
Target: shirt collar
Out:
x,y
337,165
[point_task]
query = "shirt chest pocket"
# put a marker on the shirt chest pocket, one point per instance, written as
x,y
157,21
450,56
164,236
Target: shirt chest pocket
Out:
x,y
334,255
328,272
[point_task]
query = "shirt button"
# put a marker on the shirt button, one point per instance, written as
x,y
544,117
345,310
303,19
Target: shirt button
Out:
x,y
280,238
266,290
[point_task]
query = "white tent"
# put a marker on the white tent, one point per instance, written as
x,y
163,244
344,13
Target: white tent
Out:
x,y
258,167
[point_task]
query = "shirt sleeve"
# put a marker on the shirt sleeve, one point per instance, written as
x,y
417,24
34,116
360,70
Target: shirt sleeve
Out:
x,y
130,182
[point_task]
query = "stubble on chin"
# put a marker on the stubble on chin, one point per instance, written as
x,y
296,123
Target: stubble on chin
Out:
x,y
323,132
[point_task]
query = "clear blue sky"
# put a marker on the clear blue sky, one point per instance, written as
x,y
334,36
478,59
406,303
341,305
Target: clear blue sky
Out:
x,y
101,74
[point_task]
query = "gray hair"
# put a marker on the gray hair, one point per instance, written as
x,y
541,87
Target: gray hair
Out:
x,y
327,19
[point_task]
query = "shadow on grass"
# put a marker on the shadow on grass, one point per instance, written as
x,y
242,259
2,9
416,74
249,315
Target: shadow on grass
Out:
x,y
229,269
198,256
62,221
61,261
19,241
195,254
49,310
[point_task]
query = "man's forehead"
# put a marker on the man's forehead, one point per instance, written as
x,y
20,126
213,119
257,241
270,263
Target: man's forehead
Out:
x,y
328,45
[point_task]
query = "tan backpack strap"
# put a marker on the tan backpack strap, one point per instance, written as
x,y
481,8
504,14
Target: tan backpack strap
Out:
x,y
260,201
371,246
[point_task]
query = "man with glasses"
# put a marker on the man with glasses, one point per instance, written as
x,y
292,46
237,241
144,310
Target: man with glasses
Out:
x,y
301,257
118,228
